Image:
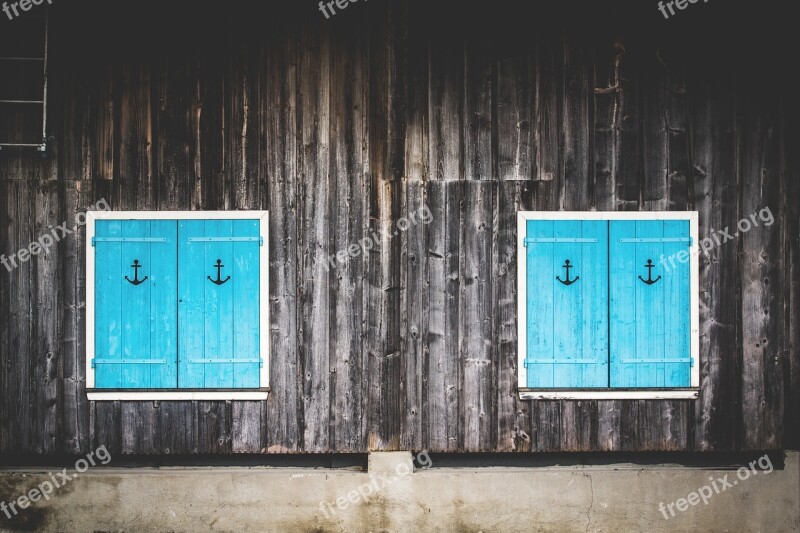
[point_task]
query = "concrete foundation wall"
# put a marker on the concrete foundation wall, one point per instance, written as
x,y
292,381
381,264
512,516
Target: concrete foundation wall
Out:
x,y
621,497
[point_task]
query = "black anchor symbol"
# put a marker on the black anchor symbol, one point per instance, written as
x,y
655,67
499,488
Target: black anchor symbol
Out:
x,y
219,281
136,281
568,281
649,279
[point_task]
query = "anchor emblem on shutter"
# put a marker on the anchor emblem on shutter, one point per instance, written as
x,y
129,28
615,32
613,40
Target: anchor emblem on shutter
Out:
x,y
568,281
649,279
219,281
136,281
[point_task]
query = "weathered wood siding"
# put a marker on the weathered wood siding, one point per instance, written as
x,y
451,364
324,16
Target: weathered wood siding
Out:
x,y
340,128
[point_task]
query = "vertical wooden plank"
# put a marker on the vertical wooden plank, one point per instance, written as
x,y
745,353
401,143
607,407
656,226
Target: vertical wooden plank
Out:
x,y
386,167
513,104
444,279
214,427
446,101
140,428
546,119
178,428
314,233
477,123
74,438
654,136
576,121
133,184
476,293
414,313
106,426
47,296
761,266
349,92
790,190
19,335
414,251
284,407
176,78
715,149
244,145
247,428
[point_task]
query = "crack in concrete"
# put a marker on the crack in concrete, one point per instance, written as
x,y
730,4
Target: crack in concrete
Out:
x,y
591,503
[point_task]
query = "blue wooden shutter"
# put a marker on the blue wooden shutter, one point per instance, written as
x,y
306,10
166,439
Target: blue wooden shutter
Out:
x,y
567,325
135,320
650,322
219,322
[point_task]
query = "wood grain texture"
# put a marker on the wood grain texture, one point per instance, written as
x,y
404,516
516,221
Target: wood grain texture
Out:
x,y
344,129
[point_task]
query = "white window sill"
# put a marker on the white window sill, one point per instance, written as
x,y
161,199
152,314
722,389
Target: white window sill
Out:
x,y
144,396
643,394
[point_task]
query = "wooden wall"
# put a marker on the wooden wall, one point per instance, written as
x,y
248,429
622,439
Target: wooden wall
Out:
x,y
340,128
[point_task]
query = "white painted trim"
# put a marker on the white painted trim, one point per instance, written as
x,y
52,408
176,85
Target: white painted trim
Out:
x,y
264,334
665,394
176,395
694,299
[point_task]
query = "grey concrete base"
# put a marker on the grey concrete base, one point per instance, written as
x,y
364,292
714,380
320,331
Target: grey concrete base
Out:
x,y
608,498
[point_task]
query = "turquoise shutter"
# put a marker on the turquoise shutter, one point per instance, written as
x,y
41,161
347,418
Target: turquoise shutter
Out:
x,y
135,299
650,303
567,317
219,303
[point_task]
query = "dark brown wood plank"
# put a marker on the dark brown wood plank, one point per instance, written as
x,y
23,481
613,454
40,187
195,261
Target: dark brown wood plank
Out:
x,y
284,404
477,121
790,192
178,428
414,252
515,159
478,405
76,197
576,121
214,427
386,167
446,107
140,428
133,179
20,393
45,345
442,366
350,208
513,415
248,433
314,234
762,268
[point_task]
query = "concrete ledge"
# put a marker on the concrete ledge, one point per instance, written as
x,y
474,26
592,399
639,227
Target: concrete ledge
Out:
x,y
390,498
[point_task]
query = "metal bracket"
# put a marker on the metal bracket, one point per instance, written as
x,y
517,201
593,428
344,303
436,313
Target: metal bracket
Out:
x,y
222,361
128,362
127,239
259,240
560,361
657,239
689,360
545,240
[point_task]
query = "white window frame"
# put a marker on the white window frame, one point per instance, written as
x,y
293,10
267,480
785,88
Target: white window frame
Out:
x,y
177,394
690,393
